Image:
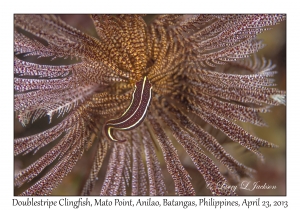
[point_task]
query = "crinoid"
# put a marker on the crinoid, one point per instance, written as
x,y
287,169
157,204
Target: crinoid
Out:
x,y
136,93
